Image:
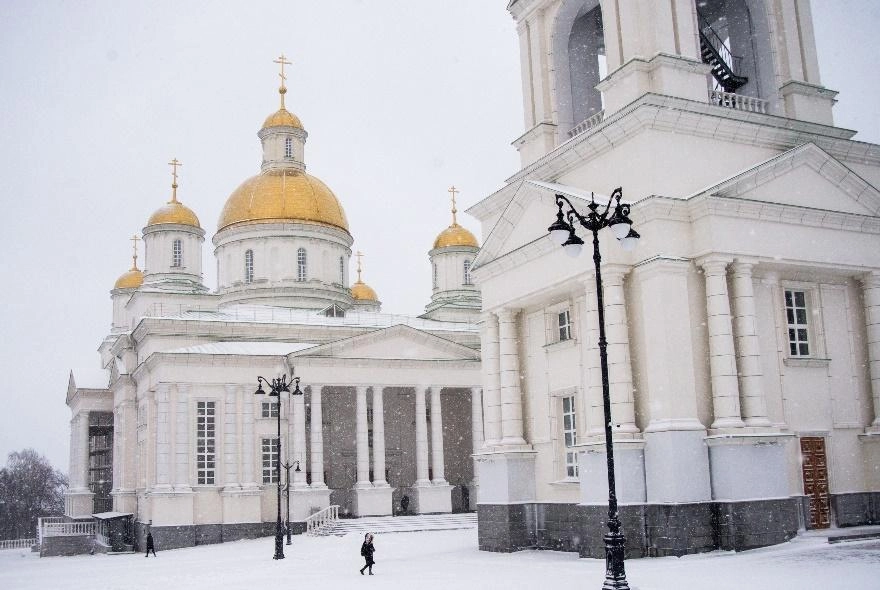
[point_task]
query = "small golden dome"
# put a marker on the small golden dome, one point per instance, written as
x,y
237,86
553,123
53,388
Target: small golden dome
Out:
x,y
283,195
282,118
130,280
455,235
361,291
174,212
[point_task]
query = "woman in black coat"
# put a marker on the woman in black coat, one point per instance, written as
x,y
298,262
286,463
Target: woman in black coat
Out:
x,y
367,551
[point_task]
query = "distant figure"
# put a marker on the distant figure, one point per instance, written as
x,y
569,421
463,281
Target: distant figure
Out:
x,y
465,499
367,551
404,504
150,545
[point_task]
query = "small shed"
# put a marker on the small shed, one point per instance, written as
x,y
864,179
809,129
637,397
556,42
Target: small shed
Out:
x,y
114,531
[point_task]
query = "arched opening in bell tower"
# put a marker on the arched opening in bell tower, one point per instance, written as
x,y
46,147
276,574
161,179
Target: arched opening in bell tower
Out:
x,y
735,41
579,52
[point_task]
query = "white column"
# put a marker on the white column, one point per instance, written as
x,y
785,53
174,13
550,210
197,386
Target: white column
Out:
x,y
118,449
317,439
378,438
361,439
620,378
492,380
748,347
248,476
230,437
79,452
477,418
437,438
181,440
298,417
871,296
421,437
511,396
163,437
592,396
722,361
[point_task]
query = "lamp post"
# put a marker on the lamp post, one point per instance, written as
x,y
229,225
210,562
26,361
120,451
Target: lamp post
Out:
x,y
277,386
563,233
287,467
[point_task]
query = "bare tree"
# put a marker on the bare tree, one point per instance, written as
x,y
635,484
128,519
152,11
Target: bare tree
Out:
x,y
29,488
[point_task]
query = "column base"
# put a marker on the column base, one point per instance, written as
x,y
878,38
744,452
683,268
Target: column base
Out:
x,y
506,476
372,501
748,466
124,500
305,502
170,507
432,499
629,471
78,503
240,505
676,466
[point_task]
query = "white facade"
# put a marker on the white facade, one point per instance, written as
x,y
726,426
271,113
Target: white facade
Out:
x,y
744,201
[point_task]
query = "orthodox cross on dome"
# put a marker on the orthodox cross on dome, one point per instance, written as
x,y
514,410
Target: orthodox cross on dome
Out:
x,y
453,190
359,256
134,258
174,165
282,61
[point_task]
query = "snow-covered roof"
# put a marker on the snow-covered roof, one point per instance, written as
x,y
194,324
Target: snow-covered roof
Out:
x,y
246,348
310,317
109,515
90,378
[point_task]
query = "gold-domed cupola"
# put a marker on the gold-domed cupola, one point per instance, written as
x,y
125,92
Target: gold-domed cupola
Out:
x,y
455,235
282,134
174,211
134,278
363,295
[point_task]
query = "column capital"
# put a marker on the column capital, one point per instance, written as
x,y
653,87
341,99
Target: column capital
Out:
x,y
613,272
508,314
714,265
870,279
743,266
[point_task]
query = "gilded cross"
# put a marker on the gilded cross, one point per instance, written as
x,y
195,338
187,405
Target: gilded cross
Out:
x,y
282,61
453,190
174,165
134,244
359,256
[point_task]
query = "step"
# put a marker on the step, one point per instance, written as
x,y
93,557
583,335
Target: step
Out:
x,y
402,524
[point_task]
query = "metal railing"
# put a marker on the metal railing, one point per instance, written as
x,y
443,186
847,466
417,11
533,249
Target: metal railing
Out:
x,y
17,544
738,101
587,124
733,62
323,518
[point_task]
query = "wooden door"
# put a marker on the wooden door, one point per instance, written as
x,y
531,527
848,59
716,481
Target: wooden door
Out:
x,y
816,480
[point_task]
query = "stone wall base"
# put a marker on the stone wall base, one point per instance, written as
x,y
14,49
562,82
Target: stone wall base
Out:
x,y
651,530
175,537
855,509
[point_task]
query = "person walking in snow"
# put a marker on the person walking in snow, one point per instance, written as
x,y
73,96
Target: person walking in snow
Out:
x,y
367,550
150,545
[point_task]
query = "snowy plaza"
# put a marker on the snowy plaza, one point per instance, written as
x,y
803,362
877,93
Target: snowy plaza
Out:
x,y
444,560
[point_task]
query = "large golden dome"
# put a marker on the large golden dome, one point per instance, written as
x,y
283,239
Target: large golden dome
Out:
x,y
282,118
455,235
363,292
283,195
133,279
174,212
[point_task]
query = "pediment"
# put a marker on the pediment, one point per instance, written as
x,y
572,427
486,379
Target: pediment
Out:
x,y
398,342
805,176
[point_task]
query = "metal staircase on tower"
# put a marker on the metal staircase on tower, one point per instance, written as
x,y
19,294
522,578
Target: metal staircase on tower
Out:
x,y
715,52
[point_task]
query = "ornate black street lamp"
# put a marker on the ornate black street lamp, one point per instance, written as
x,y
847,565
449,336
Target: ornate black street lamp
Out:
x,y
277,386
562,232
287,467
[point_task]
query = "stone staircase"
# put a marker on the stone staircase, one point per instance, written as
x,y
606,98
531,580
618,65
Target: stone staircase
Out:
x,y
401,524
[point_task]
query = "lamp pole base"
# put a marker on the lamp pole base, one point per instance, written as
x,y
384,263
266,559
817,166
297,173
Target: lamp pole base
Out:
x,y
615,574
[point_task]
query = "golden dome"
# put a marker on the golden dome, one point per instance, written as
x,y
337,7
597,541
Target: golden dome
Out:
x,y
174,212
282,117
361,291
283,195
455,235
130,280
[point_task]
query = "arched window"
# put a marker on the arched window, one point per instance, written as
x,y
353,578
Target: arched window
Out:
x,y
301,265
467,272
249,266
288,147
435,276
177,253
342,271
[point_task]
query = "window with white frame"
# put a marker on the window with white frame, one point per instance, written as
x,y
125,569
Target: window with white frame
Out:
x,y
563,324
301,265
249,266
435,276
270,451
288,147
205,442
569,435
176,253
796,318
467,272
342,270
269,409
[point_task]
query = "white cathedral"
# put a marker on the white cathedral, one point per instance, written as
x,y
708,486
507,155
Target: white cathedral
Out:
x,y
743,331
170,430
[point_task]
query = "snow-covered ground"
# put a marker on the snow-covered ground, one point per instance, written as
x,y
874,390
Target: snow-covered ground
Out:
x,y
446,560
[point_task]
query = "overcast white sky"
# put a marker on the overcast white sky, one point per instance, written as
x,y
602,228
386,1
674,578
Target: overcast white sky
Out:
x,y
400,98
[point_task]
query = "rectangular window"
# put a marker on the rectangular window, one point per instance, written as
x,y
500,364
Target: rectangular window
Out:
x,y
270,409
563,319
288,147
569,434
177,253
796,318
205,442
270,460
467,272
